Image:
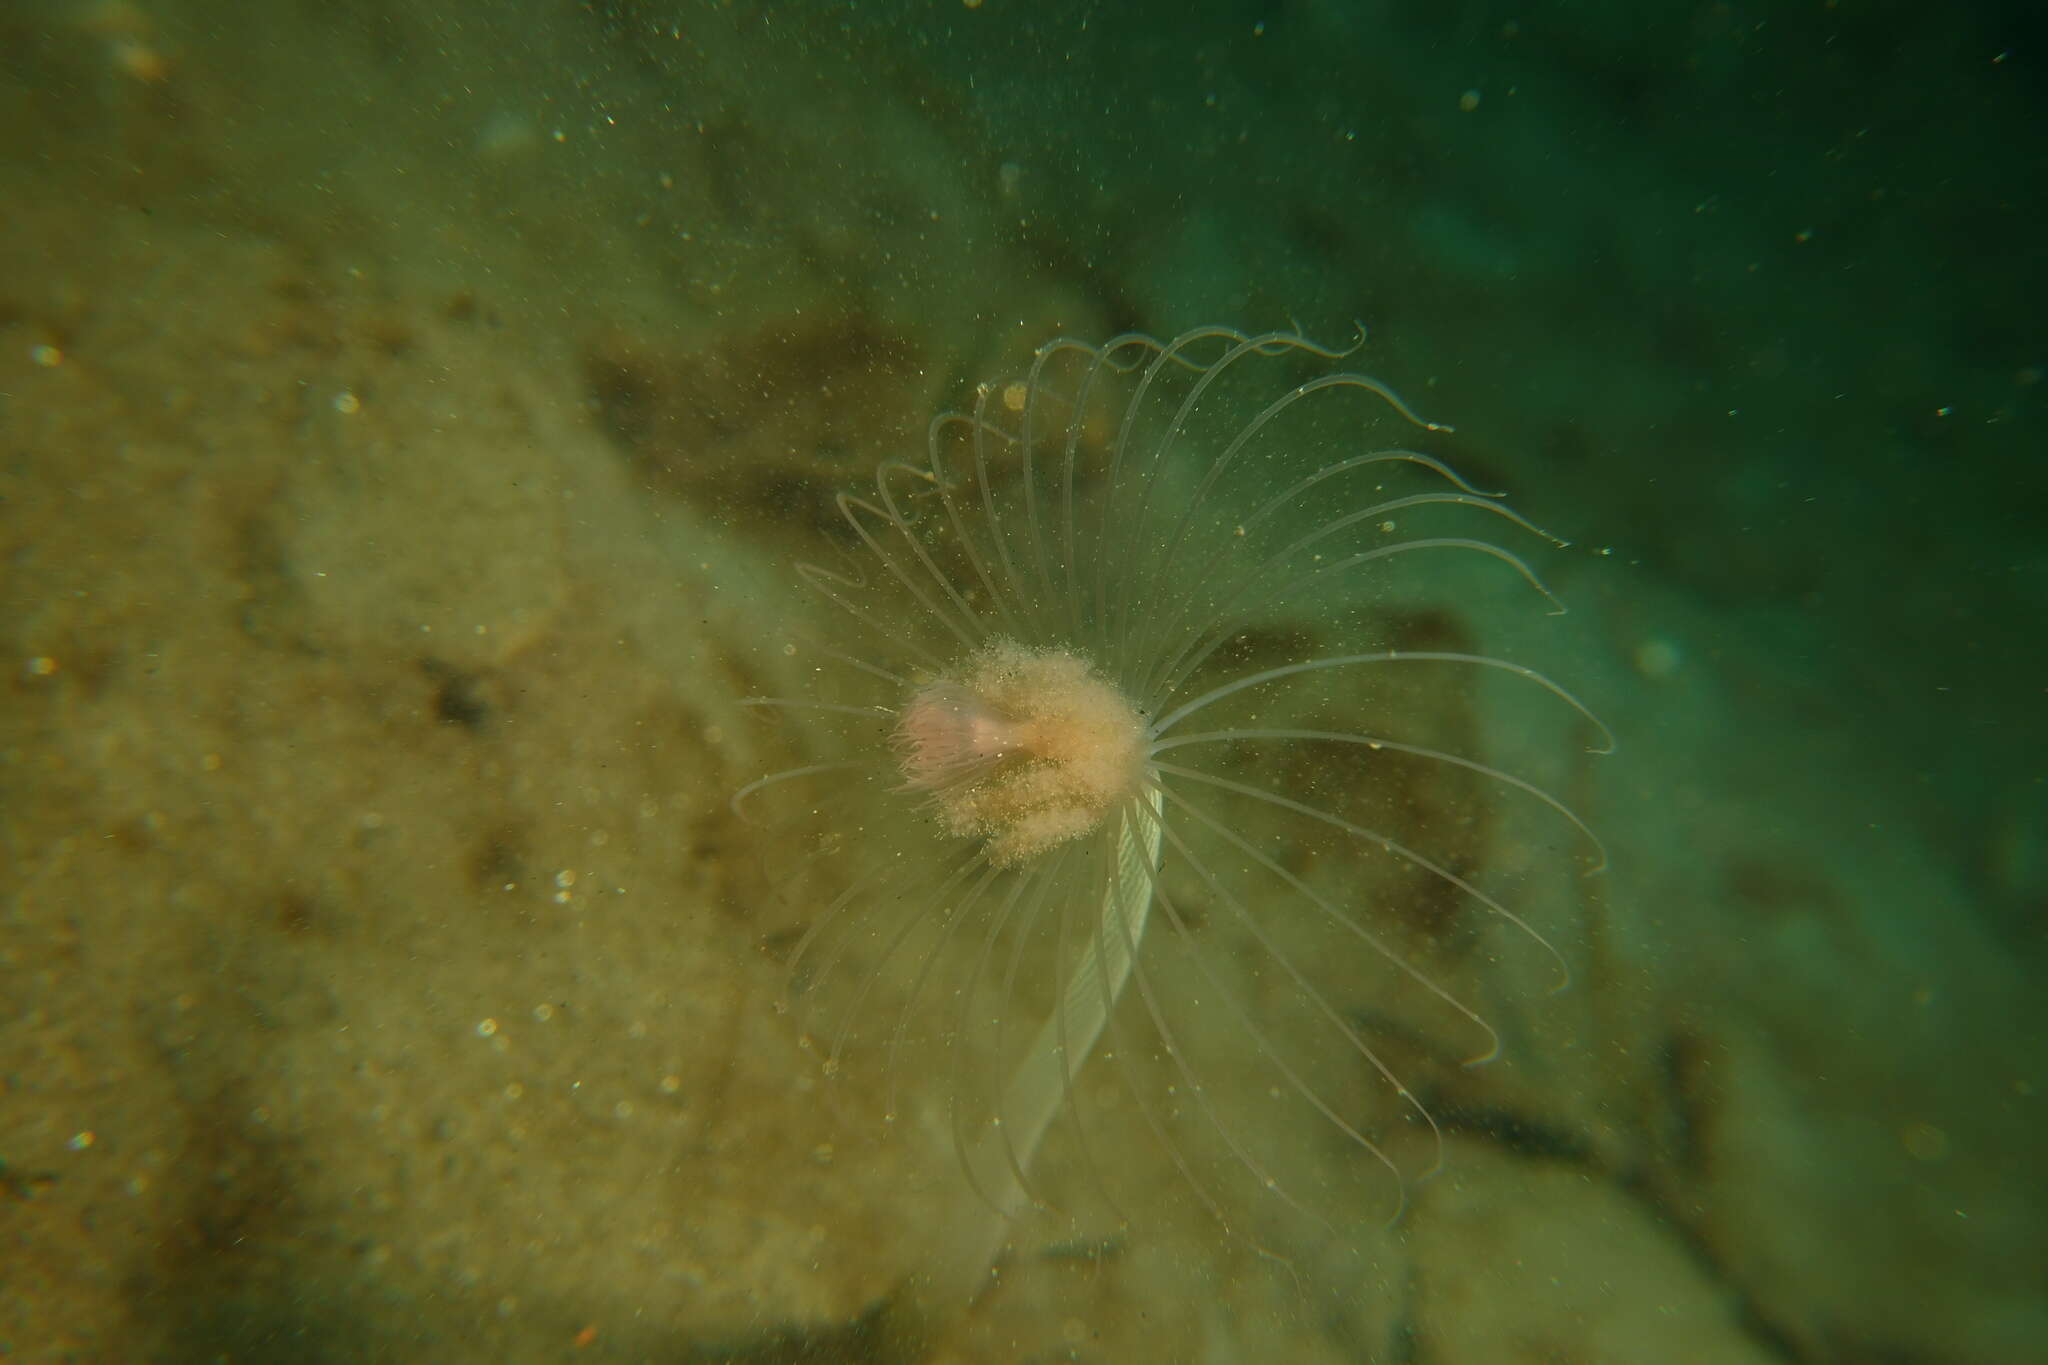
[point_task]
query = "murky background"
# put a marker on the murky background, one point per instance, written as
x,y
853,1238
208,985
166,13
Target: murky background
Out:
x,y
409,418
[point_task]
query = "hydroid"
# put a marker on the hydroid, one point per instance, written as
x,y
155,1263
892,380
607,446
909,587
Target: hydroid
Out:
x,y
1134,739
